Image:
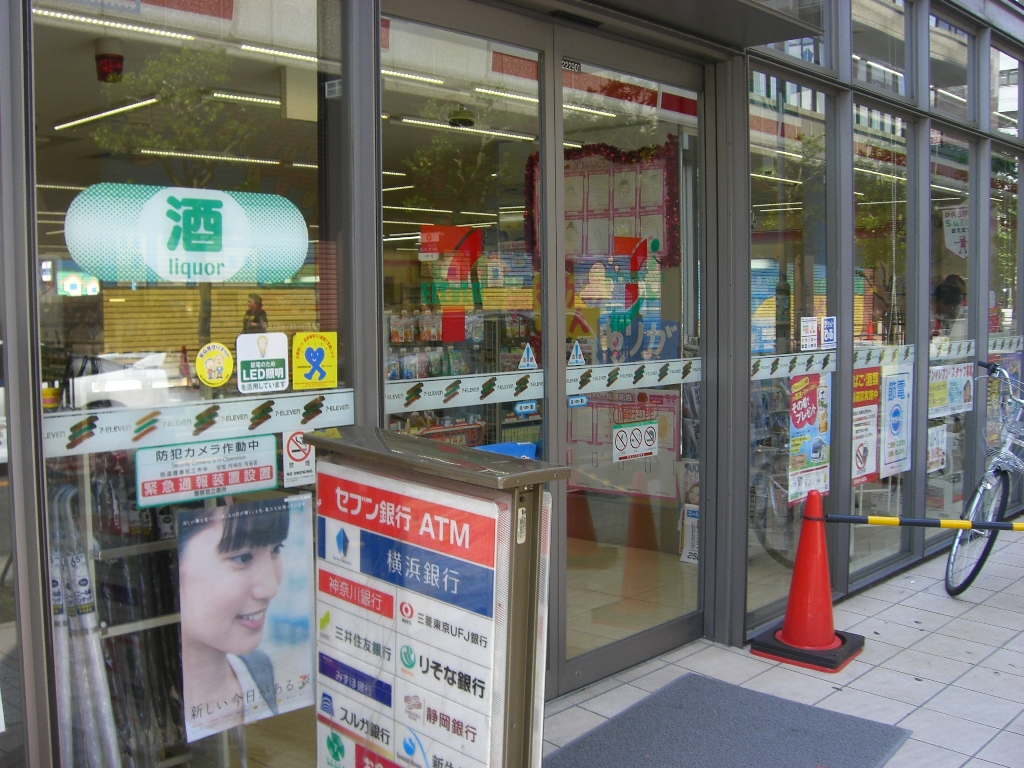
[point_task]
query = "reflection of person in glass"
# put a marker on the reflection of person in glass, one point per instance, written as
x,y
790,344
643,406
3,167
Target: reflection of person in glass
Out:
x,y
255,319
229,569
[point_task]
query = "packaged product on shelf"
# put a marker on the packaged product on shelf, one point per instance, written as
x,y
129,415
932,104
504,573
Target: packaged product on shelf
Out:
x,y
409,364
394,328
446,362
478,360
434,367
417,326
422,370
394,366
456,362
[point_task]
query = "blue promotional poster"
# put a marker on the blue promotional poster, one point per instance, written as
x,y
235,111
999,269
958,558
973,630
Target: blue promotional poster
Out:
x,y
809,434
897,392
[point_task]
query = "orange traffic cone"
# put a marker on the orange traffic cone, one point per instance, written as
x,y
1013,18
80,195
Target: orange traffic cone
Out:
x,y
808,637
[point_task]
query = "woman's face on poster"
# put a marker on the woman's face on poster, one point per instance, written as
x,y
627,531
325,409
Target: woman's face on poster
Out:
x,y
225,595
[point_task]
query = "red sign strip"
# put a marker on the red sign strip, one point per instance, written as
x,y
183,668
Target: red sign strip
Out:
x,y
432,526
349,591
223,479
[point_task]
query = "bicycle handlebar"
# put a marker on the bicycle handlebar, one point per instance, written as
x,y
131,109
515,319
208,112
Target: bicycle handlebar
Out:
x,y
990,367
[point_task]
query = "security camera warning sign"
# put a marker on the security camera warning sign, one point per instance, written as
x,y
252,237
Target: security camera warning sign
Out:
x,y
634,440
810,401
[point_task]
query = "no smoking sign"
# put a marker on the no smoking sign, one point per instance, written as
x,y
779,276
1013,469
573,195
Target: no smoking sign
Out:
x,y
299,460
634,441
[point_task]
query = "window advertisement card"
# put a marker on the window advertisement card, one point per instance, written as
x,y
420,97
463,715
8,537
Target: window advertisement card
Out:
x,y
408,658
950,389
809,434
246,595
1011,363
936,448
262,362
897,410
866,397
191,471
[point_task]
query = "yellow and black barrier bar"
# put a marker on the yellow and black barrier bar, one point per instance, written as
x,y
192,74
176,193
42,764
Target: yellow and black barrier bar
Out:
x,y
924,522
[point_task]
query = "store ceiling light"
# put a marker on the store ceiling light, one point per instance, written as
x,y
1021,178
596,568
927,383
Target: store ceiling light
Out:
x,y
311,166
50,213
948,189
64,187
409,223
949,95
477,213
392,173
397,189
106,113
264,101
282,54
534,100
398,238
775,178
464,129
410,208
878,173
876,65
411,76
794,155
202,156
571,145
105,24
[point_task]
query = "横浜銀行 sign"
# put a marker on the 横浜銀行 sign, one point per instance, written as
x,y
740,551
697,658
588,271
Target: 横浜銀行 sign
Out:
x,y
122,232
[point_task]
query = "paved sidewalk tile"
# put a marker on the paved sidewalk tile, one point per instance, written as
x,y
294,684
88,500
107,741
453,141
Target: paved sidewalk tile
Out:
x,y
918,754
927,665
723,665
897,685
975,706
1005,749
617,700
569,725
870,706
947,731
784,682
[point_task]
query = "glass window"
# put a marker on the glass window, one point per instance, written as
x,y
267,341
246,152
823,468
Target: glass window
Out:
x,y
12,722
461,262
948,57
632,330
879,44
788,280
951,371
808,49
1002,292
189,325
1005,74
879,323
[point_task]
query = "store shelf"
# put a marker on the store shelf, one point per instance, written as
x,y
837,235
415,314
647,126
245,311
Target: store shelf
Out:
x,y
135,549
139,626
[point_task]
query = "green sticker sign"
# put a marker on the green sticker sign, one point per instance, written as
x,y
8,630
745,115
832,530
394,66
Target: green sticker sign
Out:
x,y
134,232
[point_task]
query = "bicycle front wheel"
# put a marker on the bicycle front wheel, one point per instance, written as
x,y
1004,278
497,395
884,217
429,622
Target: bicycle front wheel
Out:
x,y
971,547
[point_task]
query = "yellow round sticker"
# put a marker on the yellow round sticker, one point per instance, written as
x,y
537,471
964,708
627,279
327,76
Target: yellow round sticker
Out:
x,y
214,364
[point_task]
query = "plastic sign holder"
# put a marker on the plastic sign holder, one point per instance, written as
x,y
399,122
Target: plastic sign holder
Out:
x,y
432,572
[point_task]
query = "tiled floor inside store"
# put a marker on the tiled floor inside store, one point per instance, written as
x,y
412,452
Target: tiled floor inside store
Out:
x,y
950,670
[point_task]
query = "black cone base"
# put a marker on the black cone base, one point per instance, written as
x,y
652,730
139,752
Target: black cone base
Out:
x,y
768,646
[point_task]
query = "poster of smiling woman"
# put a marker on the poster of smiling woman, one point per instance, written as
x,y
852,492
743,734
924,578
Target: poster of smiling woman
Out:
x,y
246,585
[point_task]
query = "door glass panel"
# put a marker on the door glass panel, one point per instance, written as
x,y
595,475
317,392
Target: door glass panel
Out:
x,y
12,707
460,138
951,364
788,274
879,327
633,348
189,324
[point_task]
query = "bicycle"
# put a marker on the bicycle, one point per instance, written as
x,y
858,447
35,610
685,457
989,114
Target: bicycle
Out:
x,y
971,547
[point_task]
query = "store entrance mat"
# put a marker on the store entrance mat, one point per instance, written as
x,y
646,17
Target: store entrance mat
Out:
x,y
699,722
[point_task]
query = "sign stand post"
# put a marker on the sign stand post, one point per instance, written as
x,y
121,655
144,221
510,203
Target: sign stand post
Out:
x,y
432,566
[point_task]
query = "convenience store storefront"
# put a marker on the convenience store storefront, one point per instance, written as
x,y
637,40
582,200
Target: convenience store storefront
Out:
x,y
592,236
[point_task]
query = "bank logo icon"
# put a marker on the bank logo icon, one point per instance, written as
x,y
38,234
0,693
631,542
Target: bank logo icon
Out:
x,y
413,707
408,657
325,620
342,541
409,746
327,705
407,610
335,748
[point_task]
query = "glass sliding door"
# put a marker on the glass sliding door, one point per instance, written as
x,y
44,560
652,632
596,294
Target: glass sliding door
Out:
x,y
790,388
632,346
881,354
952,354
190,328
462,266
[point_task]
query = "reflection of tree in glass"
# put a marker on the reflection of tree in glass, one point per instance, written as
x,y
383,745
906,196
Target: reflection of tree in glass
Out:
x,y
455,170
184,120
1004,230
881,230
